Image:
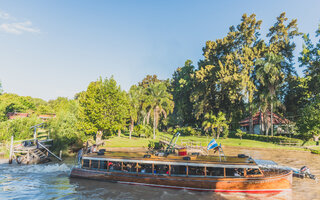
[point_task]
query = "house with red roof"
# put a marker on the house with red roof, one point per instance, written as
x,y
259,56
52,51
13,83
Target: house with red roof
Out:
x,y
15,115
262,121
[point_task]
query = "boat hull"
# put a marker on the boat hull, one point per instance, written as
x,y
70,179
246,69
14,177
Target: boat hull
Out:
x,y
275,183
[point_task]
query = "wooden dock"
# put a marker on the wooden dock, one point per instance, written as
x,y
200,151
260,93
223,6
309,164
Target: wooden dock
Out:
x,y
32,151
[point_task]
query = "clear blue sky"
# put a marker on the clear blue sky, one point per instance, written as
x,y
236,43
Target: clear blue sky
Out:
x,y
56,48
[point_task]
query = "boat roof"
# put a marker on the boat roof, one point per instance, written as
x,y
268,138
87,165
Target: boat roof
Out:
x,y
208,161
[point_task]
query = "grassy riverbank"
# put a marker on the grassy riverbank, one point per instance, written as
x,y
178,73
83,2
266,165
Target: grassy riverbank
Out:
x,y
124,141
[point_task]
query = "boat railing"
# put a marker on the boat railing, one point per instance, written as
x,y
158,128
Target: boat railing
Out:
x,y
269,172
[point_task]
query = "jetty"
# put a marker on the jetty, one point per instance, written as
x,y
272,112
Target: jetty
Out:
x,y
33,151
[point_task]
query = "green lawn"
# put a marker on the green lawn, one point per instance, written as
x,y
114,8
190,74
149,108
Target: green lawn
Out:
x,y
124,141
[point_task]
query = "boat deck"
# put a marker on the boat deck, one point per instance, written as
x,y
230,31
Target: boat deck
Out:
x,y
229,160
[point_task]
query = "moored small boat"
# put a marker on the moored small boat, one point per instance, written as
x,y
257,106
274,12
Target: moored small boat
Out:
x,y
199,173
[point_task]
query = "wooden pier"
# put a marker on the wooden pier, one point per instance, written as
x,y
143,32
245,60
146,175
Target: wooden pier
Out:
x,y
32,151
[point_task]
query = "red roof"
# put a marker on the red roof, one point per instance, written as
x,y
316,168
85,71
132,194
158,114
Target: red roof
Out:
x,y
14,115
258,117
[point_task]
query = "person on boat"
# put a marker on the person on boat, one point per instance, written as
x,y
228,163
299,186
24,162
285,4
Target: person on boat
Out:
x,y
94,148
236,173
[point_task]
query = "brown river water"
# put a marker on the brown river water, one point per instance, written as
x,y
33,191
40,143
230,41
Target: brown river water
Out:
x,y
51,181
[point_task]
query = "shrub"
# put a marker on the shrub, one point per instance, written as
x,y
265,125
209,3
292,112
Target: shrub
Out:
x,y
185,131
240,133
273,139
143,130
154,145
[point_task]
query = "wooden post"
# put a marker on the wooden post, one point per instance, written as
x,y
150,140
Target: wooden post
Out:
x,y
28,157
152,168
121,166
169,170
98,164
244,172
205,170
11,150
224,172
137,167
187,170
89,163
81,163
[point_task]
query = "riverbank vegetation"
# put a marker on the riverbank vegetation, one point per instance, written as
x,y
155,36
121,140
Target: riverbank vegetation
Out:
x,y
245,72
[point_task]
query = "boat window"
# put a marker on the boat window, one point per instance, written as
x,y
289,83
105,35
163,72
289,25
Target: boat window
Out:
x,y
129,167
94,164
85,163
145,168
195,171
215,171
238,172
161,169
253,172
103,165
178,170
114,166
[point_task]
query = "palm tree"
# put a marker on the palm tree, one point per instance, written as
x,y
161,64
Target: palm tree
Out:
x,y
270,78
159,101
212,122
135,94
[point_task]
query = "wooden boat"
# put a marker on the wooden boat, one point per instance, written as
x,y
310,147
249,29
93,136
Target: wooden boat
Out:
x,y
200,173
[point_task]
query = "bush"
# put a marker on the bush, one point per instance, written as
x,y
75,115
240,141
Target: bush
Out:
x,y
143,130
240,133
273,139
315,151
19,127
185,131
154,145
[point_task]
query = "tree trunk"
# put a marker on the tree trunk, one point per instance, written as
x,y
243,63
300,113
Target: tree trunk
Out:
x,y
218,132
154,124
251,120
119,132
271,118
131,128
98,136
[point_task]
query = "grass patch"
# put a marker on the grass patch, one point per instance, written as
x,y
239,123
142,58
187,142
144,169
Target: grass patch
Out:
x,y
124,141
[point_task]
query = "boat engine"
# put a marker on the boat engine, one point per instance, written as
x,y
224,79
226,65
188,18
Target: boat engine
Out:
x,y
305,171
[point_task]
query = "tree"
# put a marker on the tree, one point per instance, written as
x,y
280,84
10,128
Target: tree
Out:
x,y
310,58
218,122
309,123
223,79
1,88
103,108
135,95
159,102
270,78
181,89
240,133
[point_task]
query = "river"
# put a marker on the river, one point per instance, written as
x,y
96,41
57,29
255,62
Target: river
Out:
x,y
51,181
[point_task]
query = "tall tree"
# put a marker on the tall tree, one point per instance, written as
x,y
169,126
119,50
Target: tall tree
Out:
x,y
103,108
135,95
310,58
270,78
224,76
160,102
181,89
